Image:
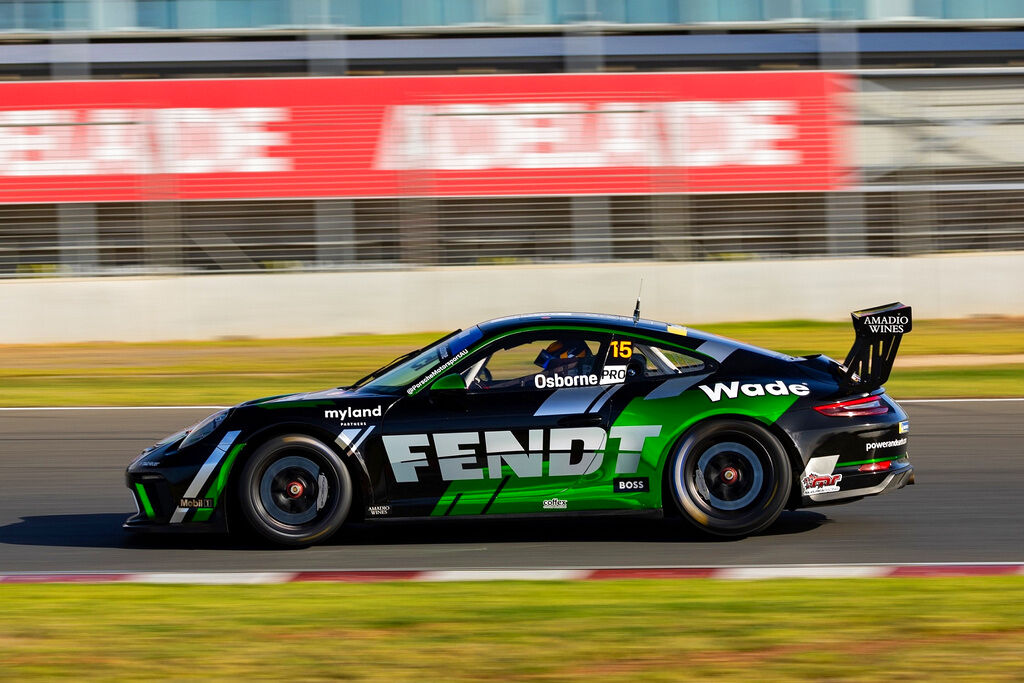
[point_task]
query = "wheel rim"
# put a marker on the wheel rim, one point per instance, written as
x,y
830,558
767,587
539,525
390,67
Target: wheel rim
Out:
x,y
295,490
729,476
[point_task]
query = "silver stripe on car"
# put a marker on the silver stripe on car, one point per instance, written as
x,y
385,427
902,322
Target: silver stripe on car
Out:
x,y
199,481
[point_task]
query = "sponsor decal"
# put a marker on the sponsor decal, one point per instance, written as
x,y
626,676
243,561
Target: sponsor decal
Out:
x,y
379,510
735,389
437,371
887,324
904,426
559,382
566,451
613,374
872,445
195,503
631,484
350,416
555,504
813,483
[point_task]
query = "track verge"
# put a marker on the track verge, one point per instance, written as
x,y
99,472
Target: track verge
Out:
x,y
818,571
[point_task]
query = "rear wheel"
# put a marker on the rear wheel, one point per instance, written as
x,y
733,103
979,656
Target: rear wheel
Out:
x,y
295,490
730,478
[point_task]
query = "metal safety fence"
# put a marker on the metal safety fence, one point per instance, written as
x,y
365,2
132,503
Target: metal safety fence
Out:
x,y
342,174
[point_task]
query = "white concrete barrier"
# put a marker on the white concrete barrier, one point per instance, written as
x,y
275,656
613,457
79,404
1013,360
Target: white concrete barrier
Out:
x,y
318,304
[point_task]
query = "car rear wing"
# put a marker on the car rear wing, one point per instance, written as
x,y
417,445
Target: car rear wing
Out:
x,y
878,333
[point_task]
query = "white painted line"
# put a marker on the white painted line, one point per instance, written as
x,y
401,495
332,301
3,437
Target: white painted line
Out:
x,y
211,578
506,575
646,567
120,408
894,565
811,572
957,400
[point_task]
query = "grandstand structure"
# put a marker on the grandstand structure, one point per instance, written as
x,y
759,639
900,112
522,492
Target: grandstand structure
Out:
x,y
209,136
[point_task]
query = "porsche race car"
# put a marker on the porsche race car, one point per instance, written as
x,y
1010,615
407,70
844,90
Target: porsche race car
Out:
x,y
547,414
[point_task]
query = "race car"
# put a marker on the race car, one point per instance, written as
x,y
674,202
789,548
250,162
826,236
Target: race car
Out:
x,y
547,414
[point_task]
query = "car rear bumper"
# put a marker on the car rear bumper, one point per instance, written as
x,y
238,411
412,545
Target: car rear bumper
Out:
x,y
853,485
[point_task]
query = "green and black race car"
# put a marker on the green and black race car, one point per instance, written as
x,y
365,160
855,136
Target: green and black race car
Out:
x,y
547,414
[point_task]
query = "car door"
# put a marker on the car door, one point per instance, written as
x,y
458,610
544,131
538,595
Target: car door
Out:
x,y
645,412
529,422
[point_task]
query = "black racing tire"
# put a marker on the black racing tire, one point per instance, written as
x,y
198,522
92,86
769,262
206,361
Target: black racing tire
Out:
x,y
295,491
730,477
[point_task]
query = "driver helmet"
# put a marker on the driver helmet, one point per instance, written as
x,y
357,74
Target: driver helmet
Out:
x,y
566,357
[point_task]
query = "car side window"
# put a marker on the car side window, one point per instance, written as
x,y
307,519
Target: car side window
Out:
x,y
641,359
547,360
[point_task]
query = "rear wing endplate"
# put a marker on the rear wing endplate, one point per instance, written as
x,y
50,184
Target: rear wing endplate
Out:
x,y
878,333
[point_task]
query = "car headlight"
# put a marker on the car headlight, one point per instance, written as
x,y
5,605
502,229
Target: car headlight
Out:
x,y
204,428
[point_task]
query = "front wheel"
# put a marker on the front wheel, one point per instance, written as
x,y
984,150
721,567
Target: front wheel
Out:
x,y
730,478
295,490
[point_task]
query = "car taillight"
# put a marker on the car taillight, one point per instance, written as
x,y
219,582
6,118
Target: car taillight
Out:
x,y
857,407
875,466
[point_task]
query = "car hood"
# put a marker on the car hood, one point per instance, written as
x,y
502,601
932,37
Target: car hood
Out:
x,y
325,394
334,394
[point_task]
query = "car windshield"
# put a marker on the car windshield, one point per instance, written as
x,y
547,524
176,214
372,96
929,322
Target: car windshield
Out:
x,y
423,364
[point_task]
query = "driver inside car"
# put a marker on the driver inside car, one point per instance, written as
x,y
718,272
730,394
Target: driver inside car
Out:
x,y
567,357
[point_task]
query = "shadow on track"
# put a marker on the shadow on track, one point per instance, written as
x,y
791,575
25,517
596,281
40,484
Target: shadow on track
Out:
x,y
566,530
103,530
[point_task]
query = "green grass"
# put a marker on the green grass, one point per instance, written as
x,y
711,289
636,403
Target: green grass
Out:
x,y
226,372
979,381
929,337
795,630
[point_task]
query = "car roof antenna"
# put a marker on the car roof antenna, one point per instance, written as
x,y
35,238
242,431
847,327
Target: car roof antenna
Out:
x,y
636,309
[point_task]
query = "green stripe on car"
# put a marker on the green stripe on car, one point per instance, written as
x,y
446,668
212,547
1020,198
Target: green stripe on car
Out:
x,y
144,499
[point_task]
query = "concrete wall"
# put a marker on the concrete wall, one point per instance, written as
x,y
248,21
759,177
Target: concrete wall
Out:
x,y
316,304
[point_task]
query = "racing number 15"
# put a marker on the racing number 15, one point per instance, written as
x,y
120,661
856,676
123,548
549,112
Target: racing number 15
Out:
x,y
622,349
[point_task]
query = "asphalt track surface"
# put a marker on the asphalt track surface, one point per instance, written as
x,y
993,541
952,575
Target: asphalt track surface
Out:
x,y
62,501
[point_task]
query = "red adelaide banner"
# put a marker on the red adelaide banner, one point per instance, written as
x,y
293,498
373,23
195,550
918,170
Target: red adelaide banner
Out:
x,y
427,136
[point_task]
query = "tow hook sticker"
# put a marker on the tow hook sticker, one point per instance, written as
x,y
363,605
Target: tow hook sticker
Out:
x,y
819,476
813,482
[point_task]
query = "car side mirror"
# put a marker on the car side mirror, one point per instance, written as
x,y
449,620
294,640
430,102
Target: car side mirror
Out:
x,y
636,368
449,383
